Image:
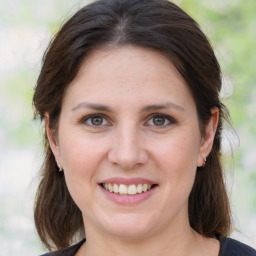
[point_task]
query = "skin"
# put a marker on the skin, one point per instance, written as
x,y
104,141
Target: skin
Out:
x,y
127,81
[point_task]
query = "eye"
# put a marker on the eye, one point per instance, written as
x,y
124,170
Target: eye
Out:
x,y
95,120
160,120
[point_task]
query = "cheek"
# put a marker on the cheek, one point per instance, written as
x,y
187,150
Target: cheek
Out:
x,y
80,154
80,157
179,152
178,160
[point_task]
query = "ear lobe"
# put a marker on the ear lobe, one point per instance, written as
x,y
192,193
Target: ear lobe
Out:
x,y
52,140
207,140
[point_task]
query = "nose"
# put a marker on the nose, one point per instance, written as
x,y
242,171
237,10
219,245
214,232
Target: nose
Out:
x,y
128,150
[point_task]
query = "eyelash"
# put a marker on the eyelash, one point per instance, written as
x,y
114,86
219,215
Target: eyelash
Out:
x,y
166,117
90,117
169,119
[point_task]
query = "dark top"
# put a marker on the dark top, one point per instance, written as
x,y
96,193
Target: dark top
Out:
x,y
231,247
228,247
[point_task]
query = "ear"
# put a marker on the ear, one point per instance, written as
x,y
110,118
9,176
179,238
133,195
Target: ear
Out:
x,y
208,138
51,138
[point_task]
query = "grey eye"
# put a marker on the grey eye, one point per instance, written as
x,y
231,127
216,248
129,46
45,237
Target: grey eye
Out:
x,y
97,120
158,121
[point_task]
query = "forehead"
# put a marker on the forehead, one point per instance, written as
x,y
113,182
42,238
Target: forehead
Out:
x,y
125,72
127,58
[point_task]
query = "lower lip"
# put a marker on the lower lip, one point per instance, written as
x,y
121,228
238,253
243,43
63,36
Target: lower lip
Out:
x,y
128,199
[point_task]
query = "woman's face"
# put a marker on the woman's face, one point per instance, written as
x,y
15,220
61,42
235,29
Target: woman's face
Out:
x,y
129,142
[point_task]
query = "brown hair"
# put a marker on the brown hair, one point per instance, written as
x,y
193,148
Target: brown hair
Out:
x,y
155,24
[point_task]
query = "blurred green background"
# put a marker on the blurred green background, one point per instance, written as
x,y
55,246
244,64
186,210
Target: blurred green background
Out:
x,y
26,27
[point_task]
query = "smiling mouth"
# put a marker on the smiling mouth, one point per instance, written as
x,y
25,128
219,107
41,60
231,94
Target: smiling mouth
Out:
x,y
123,189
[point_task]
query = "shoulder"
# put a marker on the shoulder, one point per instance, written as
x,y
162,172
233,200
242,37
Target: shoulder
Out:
x,y
231,247
70,251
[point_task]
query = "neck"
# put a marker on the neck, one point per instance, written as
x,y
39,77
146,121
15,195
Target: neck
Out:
x,y
178,241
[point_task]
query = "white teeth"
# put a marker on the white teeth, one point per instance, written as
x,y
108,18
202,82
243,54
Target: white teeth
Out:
x,y
131,190
123,189
115,188
144,187
139,188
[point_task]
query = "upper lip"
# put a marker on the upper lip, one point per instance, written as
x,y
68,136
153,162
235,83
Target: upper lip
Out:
x,y
128,181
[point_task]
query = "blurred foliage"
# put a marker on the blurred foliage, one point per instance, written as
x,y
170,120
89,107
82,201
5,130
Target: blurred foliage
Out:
x,y
233,25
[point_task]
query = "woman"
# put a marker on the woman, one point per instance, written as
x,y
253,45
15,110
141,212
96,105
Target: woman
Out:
x,y
129,93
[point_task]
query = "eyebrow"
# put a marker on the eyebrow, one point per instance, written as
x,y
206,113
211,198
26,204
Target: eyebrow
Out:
x,y
162,106
93,106
99,107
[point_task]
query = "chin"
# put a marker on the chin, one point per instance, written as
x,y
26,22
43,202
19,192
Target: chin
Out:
x,y
129,226
129,233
